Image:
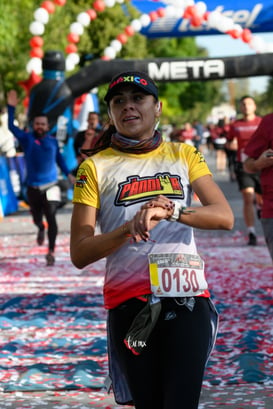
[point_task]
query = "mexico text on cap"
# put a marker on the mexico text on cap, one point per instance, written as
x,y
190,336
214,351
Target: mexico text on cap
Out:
x,y
136,78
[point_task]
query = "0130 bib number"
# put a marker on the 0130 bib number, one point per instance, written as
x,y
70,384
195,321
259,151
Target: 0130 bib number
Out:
x,y
177,275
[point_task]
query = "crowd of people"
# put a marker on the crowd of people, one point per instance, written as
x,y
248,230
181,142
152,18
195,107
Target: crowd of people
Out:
x,y
225,140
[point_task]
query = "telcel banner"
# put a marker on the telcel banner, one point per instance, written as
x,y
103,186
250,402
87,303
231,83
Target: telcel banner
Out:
x,y
256,16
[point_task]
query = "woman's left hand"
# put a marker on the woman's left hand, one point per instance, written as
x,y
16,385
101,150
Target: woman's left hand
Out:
x,y
159,201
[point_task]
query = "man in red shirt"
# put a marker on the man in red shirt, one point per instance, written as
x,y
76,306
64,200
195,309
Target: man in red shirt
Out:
x,y
260,159
249,184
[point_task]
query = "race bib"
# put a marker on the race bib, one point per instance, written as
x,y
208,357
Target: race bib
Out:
x,y
220,141
53,194
177,275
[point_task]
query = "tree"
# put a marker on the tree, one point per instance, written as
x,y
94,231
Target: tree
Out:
x,y
264,100
14,47
184,101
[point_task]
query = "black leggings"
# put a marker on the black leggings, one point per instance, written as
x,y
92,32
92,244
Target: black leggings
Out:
x,y
169,373
39,206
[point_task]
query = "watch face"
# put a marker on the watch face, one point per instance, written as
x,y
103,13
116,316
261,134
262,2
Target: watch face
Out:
x,y
176,212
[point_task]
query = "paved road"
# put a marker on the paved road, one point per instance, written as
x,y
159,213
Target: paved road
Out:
x,y
233,397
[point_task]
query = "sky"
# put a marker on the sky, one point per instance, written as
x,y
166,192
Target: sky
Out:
x,y
225,46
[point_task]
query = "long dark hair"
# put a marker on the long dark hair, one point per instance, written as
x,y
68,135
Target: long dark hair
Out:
x,y
103,141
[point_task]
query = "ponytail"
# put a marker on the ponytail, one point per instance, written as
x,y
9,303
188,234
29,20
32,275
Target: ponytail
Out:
x,y
103,141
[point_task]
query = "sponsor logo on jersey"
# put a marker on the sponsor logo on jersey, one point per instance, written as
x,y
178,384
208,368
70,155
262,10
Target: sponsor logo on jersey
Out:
x,y
201,156
137,189
81,178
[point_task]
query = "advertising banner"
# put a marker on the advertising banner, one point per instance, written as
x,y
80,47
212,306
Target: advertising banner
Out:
x,y
174,69
254,15
8,200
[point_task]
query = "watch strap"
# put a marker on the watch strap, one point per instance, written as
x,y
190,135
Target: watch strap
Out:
x,y
176,212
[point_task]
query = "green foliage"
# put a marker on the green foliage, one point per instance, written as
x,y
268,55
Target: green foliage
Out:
x,y
264,101
103,30
16,16
184,101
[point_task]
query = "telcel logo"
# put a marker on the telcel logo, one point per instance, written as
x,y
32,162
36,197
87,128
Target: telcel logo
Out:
x,y
244,17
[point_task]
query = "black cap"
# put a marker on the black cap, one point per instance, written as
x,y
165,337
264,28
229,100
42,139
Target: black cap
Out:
x,y
137,78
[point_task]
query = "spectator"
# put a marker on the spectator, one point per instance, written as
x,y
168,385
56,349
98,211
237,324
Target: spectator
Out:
x,y
231,148
187,134
85,137
42,155
218,138
198,140
7,141
249,184
259,151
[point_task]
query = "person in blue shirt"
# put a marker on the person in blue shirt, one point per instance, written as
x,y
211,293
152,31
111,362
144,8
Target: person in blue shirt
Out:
x,y
42,158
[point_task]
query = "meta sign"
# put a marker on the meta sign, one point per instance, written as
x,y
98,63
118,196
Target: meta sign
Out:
x,y
256,16
187,69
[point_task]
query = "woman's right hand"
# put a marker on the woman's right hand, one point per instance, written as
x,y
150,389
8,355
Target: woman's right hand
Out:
x,y
149,215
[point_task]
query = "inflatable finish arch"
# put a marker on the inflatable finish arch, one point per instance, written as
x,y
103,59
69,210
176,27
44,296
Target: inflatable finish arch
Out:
x,y
54,95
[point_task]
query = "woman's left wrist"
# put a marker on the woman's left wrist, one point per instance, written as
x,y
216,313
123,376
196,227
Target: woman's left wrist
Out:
x,y
176,212
178,209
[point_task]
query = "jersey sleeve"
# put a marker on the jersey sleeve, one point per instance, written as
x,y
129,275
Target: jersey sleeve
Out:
x,y
196,161
260,140
86,186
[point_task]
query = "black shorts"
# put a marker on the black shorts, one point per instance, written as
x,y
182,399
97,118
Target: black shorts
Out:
x,y
174,357
245,179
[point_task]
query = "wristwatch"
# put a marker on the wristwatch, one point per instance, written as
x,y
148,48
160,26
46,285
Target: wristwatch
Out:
x,y
176,212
